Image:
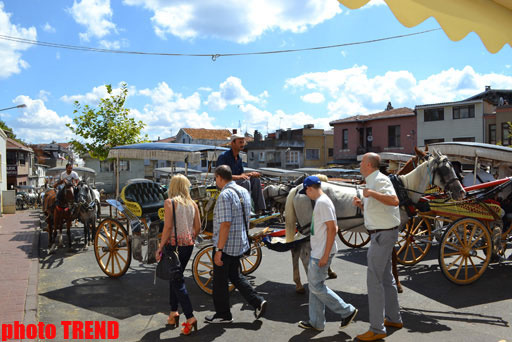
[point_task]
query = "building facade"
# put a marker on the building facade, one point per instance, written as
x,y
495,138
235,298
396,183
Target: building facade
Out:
x,y
20,162
393,130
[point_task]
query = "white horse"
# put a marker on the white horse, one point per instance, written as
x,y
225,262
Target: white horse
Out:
x,y
437,170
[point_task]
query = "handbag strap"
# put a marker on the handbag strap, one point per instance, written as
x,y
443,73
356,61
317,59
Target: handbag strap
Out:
x,y
174,223
243,211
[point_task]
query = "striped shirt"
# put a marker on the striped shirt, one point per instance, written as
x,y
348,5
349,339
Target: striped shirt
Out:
x,y
228,209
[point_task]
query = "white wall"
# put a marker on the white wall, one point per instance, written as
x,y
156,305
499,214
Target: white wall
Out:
x,y
448,129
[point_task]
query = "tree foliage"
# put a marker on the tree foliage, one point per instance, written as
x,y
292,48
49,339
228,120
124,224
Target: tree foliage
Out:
x,y
106,126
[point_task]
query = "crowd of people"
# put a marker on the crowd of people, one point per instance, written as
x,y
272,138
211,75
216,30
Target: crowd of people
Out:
x,y
379,204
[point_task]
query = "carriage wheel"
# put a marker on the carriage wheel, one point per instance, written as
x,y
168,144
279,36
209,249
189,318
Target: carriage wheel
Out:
x,y
414,241
251,262
354,239
465,251
202,270
112,248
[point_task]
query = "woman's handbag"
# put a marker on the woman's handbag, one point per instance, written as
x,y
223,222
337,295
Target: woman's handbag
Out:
x,y
169,266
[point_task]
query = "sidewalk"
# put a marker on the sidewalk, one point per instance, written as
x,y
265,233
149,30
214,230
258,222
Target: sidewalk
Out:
x,y
19,266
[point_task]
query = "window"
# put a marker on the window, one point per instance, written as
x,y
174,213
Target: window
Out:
x,y
394,136
344,140
470,139
22,158
262,157
331,152
147,162
251,156
464,112
505,134
292,157
124,165
106,166
11,158
270,156
492,134
312,154
434,114
432,141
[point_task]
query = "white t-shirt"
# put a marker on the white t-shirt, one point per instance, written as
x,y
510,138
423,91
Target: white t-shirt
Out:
x,y
324,211
70,177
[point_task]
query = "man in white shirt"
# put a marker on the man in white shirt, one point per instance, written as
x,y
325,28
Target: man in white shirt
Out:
x,y
323,248
69,176
381,218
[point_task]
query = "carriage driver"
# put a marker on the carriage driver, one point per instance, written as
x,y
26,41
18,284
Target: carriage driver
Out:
x,y
68,177
249,180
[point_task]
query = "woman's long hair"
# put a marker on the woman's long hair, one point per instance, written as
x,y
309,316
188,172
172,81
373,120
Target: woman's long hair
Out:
x,y
179,190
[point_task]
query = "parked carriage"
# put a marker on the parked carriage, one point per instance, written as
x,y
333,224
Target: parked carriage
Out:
x,y
471,232
140,218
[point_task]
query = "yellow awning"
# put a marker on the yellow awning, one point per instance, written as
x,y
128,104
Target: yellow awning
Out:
x,y
491,20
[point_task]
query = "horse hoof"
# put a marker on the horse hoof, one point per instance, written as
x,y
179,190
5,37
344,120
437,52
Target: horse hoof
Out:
x,y
399,288
300,290
332,275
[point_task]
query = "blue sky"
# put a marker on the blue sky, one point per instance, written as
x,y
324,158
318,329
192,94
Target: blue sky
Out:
x,y
264,92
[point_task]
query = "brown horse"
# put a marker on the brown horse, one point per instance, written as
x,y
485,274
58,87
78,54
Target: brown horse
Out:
x,y
49,201
64,211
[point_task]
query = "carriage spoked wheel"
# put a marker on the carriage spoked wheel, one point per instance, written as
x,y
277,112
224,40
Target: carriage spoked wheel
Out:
x,y
202,266
465,251
354,239
112,248
414,241
251,262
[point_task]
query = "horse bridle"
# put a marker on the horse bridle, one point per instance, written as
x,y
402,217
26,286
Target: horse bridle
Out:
x,y
442,168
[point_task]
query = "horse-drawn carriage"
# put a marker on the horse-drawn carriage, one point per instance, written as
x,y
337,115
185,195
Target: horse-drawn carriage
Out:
x,y
471,232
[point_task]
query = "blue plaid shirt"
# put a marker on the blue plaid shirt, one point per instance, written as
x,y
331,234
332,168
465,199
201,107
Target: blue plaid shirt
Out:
x,y
228,209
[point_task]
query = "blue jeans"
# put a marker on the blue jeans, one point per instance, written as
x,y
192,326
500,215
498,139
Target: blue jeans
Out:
x,y
321,296
178,291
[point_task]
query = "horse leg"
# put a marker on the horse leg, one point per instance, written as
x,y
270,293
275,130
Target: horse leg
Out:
x,y
85,222
296,271
93,228
395,271
68,230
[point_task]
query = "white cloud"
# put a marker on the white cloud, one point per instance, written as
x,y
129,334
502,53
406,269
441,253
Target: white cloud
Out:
x,y
114,44
37,123
95,15
507,66
169,111
48,28
352,91
43,95
231,92
313,98
10,52
93,97
373,3
343,53
235,20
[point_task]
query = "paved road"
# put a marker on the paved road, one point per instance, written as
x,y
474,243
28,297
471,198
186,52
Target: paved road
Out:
x,y
72,287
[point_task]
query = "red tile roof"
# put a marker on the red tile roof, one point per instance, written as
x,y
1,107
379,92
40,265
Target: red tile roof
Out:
x,y
208,134
167,140
398,112
14,145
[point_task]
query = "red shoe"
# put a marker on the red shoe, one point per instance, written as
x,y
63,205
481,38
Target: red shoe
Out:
x,y
187,327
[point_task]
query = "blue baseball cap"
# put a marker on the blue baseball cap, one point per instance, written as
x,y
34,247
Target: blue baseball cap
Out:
x,y
311,180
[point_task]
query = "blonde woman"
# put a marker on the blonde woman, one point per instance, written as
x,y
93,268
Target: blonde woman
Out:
x,y
188,225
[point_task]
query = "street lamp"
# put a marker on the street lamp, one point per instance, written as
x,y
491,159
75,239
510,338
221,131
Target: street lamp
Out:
x,y
18,106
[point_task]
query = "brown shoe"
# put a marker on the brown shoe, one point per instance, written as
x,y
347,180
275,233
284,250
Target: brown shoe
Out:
x,y
393,324
370,336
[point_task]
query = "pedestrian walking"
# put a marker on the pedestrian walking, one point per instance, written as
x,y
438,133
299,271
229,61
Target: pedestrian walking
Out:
x,y
230,241
181,210
323,247
381,218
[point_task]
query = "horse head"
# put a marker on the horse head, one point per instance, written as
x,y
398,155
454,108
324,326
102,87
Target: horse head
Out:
x,y
444,176
85,197
436,171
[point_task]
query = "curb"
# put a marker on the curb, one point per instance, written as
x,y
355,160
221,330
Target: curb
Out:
x,y
31,300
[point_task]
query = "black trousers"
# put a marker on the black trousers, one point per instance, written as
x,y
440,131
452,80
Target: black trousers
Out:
x,y
231,271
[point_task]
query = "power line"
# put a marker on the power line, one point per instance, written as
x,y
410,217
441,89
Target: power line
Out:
x,y
213,56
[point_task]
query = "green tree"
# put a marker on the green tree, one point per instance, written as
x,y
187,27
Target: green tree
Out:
x,y
106,126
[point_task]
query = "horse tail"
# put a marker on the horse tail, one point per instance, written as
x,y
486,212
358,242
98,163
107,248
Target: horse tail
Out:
x,y
289,216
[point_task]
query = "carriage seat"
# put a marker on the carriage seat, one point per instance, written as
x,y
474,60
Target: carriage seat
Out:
x,y
149,196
